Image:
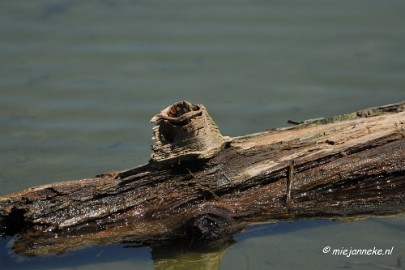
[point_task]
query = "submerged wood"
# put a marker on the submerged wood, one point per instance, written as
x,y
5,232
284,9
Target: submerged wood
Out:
x,y
346,167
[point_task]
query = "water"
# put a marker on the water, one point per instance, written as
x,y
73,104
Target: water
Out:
x,y
80,80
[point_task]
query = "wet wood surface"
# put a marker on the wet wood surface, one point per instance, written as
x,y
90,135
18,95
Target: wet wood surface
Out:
x,y
346,167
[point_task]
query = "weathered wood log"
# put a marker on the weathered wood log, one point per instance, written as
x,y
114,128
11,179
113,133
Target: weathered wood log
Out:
x,y
345,167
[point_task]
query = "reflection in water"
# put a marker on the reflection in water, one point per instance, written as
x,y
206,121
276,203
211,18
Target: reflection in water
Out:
x,y
282,245
198,256
186,261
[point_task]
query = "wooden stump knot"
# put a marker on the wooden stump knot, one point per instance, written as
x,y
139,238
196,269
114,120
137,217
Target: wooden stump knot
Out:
x,y
185,131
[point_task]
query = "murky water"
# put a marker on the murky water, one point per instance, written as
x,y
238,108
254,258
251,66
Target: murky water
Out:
x,y
80,80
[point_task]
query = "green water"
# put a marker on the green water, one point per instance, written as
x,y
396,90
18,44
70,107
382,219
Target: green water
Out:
x,y
79,81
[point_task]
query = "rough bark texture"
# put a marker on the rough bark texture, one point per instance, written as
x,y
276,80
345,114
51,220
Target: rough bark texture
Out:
x,y
345,167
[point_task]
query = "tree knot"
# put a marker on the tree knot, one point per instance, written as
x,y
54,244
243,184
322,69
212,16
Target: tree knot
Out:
x,y
185,131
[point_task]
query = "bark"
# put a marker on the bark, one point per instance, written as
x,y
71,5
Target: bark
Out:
x,y
346,167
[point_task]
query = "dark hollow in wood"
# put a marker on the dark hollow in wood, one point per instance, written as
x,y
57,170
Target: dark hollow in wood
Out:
x,y
345,167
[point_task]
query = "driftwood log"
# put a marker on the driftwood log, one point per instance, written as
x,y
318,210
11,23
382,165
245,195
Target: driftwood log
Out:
x,y
203,186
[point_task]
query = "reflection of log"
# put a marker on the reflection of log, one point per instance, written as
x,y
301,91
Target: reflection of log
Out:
x,y
183,256
347,166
